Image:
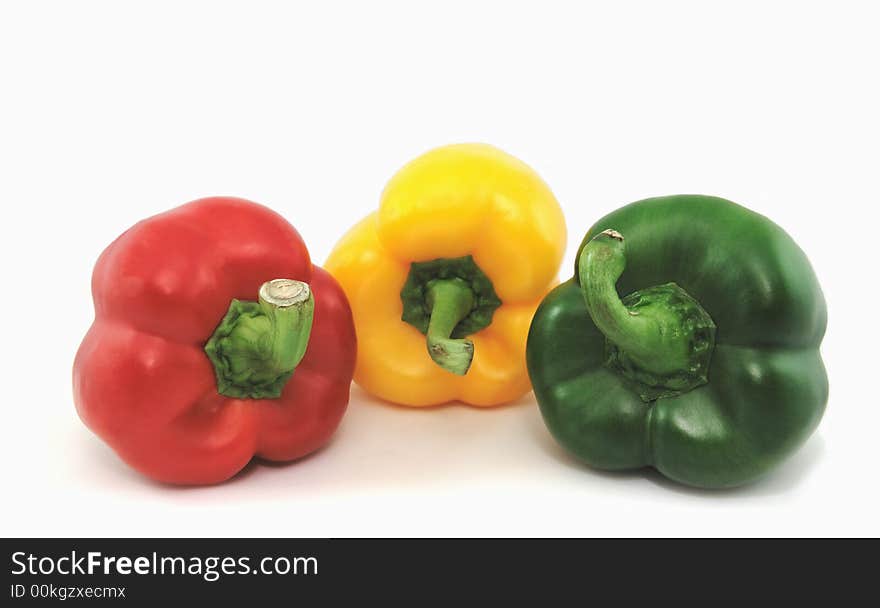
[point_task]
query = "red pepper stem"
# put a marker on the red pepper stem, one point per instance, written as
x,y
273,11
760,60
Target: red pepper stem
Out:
x,y
290,307
257,345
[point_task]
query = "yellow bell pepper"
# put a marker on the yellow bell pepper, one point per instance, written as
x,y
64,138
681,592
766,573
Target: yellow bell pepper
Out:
x,y
444,279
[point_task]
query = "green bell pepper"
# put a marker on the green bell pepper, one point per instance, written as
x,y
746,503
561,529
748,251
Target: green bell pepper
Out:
x,y
708,369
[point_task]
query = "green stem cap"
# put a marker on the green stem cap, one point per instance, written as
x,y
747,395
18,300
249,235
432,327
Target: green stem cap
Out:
x,y
258,345
660,337
448,299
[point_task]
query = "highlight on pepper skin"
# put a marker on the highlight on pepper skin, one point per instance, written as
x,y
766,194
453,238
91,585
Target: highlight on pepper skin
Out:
x,y
215,341
445,276
707,369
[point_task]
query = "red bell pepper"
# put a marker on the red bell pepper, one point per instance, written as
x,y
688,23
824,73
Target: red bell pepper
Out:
x,y
184,374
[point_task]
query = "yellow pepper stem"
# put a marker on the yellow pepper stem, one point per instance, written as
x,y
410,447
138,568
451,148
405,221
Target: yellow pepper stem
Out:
x,y
450,301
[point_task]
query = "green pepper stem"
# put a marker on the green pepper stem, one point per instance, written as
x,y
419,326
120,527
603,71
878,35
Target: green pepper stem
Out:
x,y
450,301
257,345
650,336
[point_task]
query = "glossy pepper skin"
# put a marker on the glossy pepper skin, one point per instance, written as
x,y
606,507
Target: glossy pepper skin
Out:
x,y
142,379
764,389
450,203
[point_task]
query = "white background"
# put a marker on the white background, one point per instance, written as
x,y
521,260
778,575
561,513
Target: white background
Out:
x,y
114,111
